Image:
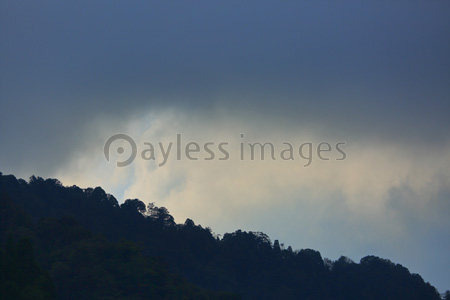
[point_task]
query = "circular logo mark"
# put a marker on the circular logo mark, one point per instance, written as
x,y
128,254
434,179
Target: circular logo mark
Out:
x,y
121,150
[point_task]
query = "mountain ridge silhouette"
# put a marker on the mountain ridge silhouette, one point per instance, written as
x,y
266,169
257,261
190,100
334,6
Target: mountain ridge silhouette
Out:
x,y
93,247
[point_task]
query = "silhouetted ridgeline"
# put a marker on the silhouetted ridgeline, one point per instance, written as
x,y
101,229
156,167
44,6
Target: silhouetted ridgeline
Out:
x,y
81,244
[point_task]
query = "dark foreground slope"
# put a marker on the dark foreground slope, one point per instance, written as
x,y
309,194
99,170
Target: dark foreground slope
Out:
x,y
93,248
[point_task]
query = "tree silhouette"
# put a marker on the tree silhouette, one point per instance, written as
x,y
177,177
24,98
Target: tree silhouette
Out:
x,y
94,248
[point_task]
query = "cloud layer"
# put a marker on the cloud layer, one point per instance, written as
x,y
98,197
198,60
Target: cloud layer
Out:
x,y
383,199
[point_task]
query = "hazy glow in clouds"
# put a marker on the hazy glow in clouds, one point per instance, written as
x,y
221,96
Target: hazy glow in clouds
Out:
x,y
379,199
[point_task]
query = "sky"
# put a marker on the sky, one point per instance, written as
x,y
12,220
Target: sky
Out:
x,y
353,96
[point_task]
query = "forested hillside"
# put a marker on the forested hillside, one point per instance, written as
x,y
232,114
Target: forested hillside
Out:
x,y
70,243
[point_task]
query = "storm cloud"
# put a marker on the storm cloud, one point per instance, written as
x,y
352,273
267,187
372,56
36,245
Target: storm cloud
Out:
x,y
372,74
